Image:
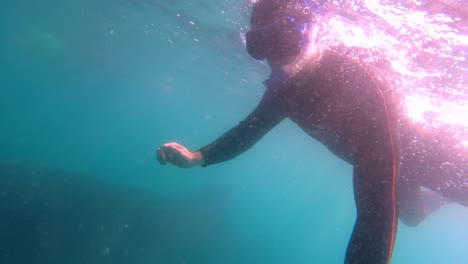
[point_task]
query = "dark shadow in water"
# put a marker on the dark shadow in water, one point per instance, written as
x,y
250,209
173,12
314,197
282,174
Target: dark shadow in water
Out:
x,y
52,217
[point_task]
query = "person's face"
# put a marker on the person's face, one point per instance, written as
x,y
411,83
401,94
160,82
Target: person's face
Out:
x,y
274,36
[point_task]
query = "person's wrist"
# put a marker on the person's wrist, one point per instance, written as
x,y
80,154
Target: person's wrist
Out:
x,y
197,159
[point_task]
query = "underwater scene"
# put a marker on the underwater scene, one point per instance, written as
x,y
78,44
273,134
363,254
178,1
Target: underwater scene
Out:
x,y
91,89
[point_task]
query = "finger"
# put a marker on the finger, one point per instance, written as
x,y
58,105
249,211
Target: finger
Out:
x,y
175,146
161,156
180,149
172,150
171,145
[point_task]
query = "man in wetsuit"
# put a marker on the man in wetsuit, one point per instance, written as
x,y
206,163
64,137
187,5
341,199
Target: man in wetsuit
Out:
x,y
344,104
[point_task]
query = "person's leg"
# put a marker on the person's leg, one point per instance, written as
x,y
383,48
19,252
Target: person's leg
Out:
x,y
449,178
414,204
374,232
435,161
410,209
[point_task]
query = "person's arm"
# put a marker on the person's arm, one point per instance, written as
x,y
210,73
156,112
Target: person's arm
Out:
x,y
238,139
266,115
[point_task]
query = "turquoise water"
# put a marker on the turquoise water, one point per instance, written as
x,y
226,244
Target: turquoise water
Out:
x,y
91,88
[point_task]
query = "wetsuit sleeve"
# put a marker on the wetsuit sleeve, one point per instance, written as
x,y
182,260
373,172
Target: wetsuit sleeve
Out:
x,y
238,139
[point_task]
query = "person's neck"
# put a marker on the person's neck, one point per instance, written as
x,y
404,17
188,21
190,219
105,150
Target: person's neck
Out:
x,y
279,73
276,63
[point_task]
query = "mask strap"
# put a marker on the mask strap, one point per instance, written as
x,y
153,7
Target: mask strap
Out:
x,y
317,7
276,21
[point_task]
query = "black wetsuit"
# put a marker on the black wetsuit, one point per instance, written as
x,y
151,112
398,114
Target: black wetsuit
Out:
x,y
346,107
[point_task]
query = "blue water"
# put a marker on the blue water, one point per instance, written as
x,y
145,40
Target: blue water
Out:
x,y
89,89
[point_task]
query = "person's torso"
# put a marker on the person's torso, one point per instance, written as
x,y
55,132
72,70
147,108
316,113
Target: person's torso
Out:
x,y
341,104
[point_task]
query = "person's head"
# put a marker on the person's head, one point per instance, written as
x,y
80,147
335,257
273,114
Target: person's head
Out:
x,y
278,29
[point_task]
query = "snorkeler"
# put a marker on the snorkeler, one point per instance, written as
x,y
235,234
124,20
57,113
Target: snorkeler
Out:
x,y
343,103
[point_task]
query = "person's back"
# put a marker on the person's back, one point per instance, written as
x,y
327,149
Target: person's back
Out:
x,y
340,102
